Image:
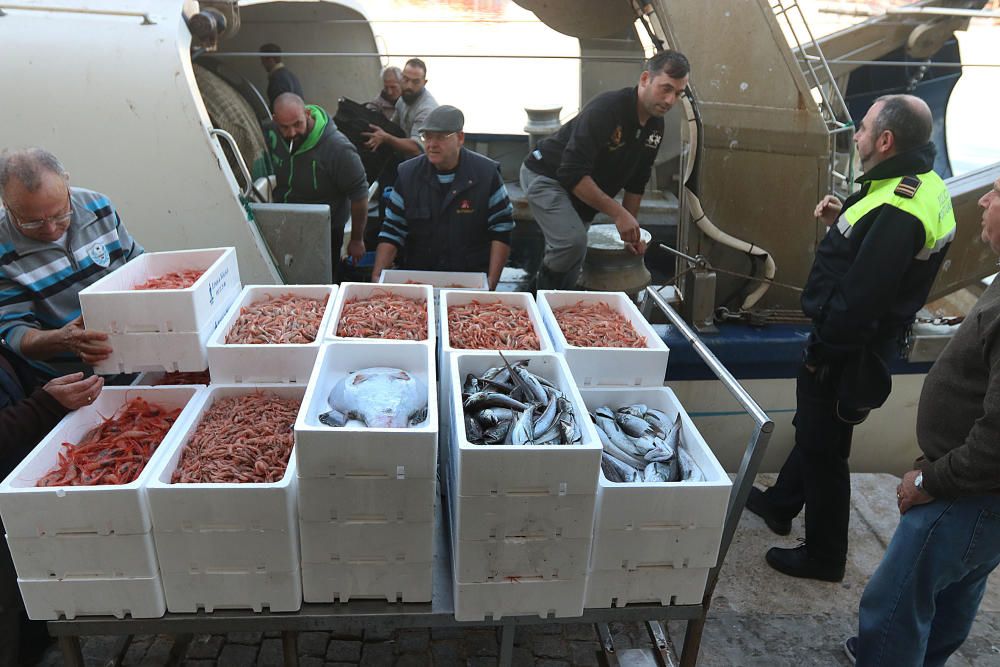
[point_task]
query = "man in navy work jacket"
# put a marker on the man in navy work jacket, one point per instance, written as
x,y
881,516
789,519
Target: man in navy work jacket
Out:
x,y
872,273
449,210
578,171
55,240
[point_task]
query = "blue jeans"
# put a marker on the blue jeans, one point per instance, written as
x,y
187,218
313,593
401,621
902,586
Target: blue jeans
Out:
x,y
919,605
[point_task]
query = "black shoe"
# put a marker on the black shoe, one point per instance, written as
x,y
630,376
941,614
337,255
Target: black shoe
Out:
x,y
797,562
757,503
851,649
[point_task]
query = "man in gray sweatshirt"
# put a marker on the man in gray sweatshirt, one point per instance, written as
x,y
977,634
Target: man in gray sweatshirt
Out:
x,y
919,605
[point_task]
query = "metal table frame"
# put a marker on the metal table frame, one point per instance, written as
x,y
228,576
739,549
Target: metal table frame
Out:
x,y
440,611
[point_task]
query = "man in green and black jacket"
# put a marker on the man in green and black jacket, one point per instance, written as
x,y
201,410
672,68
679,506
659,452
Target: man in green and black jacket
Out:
x,y
316,164
872,273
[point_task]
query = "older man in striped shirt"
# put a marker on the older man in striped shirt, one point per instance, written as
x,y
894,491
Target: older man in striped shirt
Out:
x,y
54,241
449,209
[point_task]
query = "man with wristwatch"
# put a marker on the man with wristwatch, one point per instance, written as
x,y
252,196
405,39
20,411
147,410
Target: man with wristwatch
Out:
x,y
919,605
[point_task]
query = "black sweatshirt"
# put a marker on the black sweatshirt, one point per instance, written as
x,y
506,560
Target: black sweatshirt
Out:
x,y
604,141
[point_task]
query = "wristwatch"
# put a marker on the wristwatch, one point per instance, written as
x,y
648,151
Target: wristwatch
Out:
x,y
918,482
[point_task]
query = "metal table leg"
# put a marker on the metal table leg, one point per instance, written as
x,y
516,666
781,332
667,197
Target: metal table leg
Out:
x,y
607,644
290,647
70,647
507,630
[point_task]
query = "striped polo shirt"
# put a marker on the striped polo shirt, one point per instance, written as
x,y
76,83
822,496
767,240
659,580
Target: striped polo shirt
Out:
x,y
40,281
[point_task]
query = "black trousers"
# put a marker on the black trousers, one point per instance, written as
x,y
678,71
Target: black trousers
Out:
x,y
816,474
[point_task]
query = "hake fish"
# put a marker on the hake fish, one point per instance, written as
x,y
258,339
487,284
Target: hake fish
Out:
x,y
379,397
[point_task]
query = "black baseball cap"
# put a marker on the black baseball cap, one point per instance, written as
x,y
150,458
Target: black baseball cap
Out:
x,y
444,118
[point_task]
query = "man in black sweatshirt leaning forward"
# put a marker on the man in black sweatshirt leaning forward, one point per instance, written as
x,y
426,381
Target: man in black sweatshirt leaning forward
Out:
x,y
920,603
579,170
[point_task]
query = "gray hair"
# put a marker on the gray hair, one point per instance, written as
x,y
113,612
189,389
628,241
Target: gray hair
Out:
x,y
907,117
26,166
395,71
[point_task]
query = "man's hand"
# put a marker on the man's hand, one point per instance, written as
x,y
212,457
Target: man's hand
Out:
x,y
627,226
376,137
73,391
356,250
636,248
828,209
908,495
87,344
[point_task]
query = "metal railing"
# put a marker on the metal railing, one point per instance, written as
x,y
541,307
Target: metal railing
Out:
x,y
752,457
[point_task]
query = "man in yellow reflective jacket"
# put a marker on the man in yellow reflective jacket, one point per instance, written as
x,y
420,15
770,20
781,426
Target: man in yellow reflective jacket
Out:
x,y
872,273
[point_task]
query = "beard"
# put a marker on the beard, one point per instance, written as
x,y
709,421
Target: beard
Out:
x,y
409,97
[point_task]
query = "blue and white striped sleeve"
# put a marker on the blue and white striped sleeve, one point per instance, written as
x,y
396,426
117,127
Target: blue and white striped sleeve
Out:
x,y
500,212
394,227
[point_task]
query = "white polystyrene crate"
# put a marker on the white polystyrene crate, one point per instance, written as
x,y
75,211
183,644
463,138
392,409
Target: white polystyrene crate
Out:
x,y
505,559
661,585
324,451
84,556
524,515
652,506
439,280
153,378
559,598
30,511
136,352
52,599
366,498
352,541
664,545
189,592
209,507
462,297
607,366
384,580
512,469
113,306
350,291
284,362
227,550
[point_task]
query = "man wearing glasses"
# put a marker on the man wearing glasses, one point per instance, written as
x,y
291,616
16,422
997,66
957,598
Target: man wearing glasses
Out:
x,y
449,210
54,241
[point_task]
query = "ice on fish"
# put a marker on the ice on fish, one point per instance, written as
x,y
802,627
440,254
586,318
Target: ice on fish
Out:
x,y
379,397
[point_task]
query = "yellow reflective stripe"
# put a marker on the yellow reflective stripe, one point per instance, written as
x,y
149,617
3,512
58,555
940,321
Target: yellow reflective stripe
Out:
x,y
931,205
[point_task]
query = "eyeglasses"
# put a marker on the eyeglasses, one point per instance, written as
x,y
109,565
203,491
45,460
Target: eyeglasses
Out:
x,y
435,136
57,220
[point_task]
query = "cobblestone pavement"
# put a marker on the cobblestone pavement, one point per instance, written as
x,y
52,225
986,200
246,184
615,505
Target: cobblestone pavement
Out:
x,y
555,645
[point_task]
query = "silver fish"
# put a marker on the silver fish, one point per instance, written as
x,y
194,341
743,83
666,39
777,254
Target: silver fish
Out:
x,y
493,416
634,426
661,451
657,419
491,399
473,431
655,472
615,470
548,417
495,435
471,385
690,472
636,410
549,437
521,433
530,382
380,397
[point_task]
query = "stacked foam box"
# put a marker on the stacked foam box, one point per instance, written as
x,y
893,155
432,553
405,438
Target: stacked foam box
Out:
x,y
161,329
439,280
267,363
367,495
226,546
655,542
88,550
607,366
521,516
